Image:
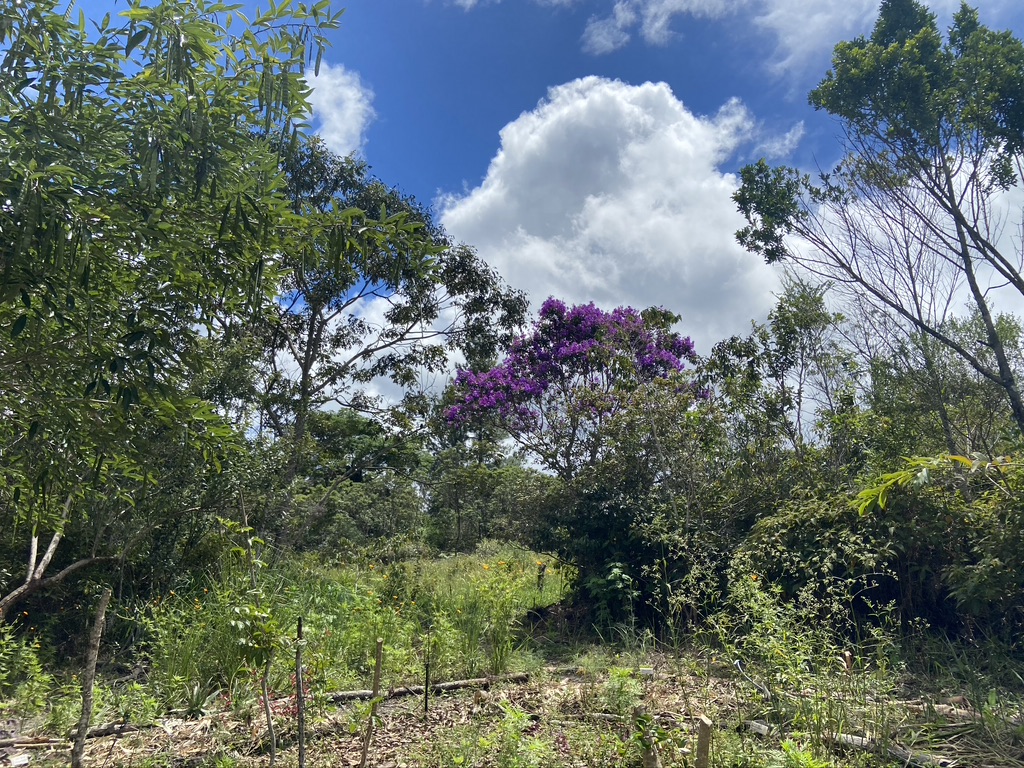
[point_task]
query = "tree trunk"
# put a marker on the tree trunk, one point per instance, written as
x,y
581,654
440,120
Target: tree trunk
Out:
x,y
88,680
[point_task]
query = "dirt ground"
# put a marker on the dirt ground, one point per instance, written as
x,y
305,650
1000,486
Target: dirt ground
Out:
x,y
556,701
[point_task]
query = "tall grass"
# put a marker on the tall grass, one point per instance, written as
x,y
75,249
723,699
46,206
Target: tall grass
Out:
x,y
460,613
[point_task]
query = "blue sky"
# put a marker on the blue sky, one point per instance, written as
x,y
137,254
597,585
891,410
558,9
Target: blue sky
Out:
x,y
588,148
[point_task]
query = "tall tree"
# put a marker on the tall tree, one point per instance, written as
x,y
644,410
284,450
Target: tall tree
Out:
x,y
144,211
933,134
394,303
563,381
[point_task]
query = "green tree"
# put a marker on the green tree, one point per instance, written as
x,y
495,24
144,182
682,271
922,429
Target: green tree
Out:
x,y
393,305
933,133
781,385
943,404
143,210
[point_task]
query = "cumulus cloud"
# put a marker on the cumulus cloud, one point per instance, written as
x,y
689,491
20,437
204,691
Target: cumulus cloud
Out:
x,y
342,106
612,193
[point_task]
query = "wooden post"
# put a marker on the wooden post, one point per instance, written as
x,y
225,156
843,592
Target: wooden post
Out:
x,y
89,680
373,703
702,758
648,748
426,689
848,662
300,696
426,677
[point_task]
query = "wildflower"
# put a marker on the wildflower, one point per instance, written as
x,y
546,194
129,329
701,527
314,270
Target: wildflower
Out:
x,y
487,567
754,577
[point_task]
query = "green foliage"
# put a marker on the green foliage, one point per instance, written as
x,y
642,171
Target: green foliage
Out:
x,y
23,681
361,242
146,211
462,612
769,199
974,531
507,745
621,692
792,671
905,225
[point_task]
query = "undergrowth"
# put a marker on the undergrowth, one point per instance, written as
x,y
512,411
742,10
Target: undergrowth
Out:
x,y
764,659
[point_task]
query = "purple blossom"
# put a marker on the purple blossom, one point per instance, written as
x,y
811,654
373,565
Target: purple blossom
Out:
x,y
576,367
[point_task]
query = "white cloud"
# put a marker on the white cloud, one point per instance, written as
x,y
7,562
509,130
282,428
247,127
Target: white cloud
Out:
x,y
780,147
469,5
611,193
611,33
342,106
805,32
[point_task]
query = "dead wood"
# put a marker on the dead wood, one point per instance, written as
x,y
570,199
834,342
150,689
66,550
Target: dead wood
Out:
x,y
30,742
341,697
114,729
890,748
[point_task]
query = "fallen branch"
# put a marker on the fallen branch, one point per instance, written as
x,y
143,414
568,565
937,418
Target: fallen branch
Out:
x,y
417,690
114,729
890,748
32,741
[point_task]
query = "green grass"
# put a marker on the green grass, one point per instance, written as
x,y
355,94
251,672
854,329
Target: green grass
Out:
x,y
206,645
460,613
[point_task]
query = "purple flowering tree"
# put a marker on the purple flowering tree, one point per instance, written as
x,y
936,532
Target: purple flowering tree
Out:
x,y
574,372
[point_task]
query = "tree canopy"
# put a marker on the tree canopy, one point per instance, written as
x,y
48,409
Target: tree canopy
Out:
x,y
144,211
910,219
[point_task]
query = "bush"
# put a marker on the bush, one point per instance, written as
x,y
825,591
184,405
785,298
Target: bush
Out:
x,y
22,679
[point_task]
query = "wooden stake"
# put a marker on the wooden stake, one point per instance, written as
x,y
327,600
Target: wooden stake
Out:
x,y
648,748
426,677
300,696
267,711
88,680
373,702
702,758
